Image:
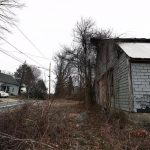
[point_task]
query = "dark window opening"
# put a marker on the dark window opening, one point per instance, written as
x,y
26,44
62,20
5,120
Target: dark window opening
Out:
x,y
146,110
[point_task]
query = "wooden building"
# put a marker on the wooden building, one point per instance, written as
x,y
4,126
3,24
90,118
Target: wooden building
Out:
x,y
123,74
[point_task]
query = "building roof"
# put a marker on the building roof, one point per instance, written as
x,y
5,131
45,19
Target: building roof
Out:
x,y
136,50
7,79
133,47
125,40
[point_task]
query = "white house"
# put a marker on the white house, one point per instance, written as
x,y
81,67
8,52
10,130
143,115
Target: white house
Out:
x,y
8,84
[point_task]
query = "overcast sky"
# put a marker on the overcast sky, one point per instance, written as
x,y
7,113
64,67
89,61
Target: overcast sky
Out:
x,y
49,24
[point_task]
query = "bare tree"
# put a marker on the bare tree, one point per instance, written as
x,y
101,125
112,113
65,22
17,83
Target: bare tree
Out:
x,y
86,54
83,32
36,72
75,56
82,58
7,15
62,72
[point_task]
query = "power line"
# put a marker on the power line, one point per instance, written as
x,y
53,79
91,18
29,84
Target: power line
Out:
x,y
17,59
32,55
27,38
22,52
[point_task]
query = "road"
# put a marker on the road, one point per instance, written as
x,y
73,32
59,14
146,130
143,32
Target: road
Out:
x,y
8,104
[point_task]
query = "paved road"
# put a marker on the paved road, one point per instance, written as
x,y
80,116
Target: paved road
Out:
x,y
8,104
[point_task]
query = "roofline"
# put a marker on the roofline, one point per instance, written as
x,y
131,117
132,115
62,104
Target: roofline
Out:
x,y
133,59
97,41
5,74
10,83
127,40
17,84
140,60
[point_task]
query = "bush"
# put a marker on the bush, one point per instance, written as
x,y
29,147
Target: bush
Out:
x,y
38,90
120,116
33,126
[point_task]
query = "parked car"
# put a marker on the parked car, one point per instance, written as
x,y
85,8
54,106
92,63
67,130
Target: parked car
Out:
x,y
23,90
3,94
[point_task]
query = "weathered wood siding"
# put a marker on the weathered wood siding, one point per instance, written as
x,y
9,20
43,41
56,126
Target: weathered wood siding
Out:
x,y
105,58
141,85
109,58
121,98
104,62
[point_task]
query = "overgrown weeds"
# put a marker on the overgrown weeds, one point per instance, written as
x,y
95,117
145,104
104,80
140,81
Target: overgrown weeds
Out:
x,y
68,125
33,126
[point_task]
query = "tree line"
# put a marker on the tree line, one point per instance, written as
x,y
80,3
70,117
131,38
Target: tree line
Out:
x,y
29,76
75,64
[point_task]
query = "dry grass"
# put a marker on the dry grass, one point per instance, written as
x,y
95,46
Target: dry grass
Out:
x,y
46,125
30,127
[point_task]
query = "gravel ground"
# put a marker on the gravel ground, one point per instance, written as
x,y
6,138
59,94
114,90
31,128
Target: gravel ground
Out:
x,y
9,100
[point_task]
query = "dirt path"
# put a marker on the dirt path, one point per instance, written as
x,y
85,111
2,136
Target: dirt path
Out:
x,y
7,100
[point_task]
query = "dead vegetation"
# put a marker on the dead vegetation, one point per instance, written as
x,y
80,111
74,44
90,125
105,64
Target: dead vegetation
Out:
x,y
68,125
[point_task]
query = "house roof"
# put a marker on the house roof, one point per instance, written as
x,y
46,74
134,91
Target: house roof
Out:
x,y
7,79
133,47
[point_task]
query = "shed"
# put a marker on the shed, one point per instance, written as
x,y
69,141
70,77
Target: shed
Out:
x,y
123,74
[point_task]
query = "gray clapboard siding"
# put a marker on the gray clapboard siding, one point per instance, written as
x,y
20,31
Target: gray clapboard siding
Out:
x,y
141,85
121,84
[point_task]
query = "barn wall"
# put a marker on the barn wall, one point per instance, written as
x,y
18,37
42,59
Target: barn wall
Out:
x,y
104,62
121,84
105,58
111,57
141,86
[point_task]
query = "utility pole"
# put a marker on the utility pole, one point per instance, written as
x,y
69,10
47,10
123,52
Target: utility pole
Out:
x,y
22,77
49,80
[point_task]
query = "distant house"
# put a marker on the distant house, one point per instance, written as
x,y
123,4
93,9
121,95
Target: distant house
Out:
x,y
8,84
123,74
